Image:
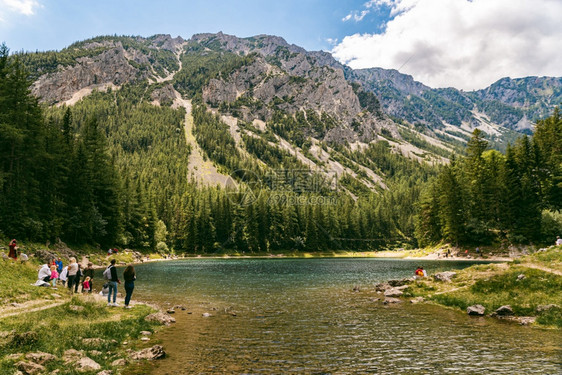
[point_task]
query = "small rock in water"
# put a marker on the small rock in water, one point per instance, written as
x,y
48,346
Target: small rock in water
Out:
x,y
520,277
475,310
389,300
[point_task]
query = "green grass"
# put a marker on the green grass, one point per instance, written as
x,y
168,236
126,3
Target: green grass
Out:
x,y
16,281
58,329
494,285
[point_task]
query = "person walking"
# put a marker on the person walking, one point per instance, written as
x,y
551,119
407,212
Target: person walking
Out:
x,y
72,271
130,277
89,272
13,249
110,274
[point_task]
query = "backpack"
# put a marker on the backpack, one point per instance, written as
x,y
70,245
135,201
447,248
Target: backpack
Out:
x,y
107,273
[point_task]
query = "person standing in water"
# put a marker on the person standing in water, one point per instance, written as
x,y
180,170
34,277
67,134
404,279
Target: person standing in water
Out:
x,y
130,277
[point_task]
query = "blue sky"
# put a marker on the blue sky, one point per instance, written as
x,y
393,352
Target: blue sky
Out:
x,y
55,24
467,44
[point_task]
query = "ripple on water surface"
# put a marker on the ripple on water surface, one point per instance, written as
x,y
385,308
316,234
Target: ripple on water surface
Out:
x,y
300,316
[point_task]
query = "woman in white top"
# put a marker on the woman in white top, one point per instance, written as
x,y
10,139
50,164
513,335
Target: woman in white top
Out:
x,y
72,270
63,275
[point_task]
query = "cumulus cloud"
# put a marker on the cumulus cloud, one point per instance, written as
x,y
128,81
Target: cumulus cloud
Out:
x,y
461,43
25,7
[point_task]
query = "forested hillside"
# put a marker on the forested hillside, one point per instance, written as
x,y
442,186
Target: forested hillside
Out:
x,y
221,144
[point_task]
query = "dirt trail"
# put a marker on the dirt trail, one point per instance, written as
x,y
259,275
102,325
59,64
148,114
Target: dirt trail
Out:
x,y
27,307
542,268
200,169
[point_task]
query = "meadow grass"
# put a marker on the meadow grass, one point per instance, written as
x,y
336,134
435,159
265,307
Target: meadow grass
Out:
x,y
64,327
495,285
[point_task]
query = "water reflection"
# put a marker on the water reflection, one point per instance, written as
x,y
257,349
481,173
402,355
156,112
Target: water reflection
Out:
x,y
301,316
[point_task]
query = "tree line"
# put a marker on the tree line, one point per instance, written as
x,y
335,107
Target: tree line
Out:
x,y
487,197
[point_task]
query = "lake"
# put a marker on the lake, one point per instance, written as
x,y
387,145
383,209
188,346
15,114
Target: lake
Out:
x,y
277,316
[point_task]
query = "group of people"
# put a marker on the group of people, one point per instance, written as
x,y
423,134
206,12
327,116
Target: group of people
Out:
x,y
72,276
81,280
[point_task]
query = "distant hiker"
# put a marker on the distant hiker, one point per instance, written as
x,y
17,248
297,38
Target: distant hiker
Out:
x,y
86,287
558,241
13,249
44,273
72,271
110,274
109,252
130,277
448,253
418,272
89,273
58,262
54,275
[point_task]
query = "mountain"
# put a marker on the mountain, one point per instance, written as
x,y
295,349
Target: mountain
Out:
x,y
298,102
219,142
514,104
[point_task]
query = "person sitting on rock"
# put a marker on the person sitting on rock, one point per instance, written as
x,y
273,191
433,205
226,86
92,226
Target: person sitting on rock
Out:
x,y
419,272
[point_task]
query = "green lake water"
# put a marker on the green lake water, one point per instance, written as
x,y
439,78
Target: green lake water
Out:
x,y
282,316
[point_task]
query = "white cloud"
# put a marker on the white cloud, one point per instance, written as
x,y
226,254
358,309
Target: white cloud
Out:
x,y
25,7
357,16
461,43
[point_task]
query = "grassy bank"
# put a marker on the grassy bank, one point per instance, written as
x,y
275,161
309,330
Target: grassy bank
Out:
x,y
39,319
525,285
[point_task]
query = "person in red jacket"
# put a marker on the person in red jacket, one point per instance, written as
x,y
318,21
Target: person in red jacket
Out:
x,y
13,249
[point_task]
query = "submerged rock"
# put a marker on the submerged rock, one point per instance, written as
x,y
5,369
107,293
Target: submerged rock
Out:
x,y
476,310
156,352
161,318
389,300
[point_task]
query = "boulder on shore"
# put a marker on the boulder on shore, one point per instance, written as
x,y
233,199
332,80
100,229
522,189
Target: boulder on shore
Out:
x,y
400,282
476,310
444,276
393,292
40,357
417,300
29,368
504,311
87,364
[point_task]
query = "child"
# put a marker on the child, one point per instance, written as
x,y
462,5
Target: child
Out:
x,y
86,285
54,275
